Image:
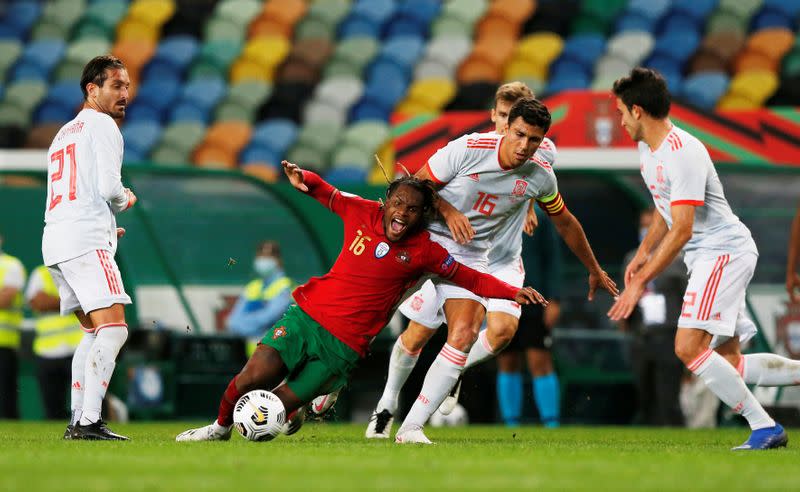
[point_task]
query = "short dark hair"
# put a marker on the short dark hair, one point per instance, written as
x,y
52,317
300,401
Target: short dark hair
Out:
x,y
532,111
646,88
429,197
95,71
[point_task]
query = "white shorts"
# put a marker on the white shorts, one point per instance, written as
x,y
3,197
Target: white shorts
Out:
x,y
89,282
715,297
426,305
477,259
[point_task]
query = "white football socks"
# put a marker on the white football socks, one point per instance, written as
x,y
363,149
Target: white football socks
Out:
x,y
480,351
78,376
725,382
769,370
100,364
440,379
401,363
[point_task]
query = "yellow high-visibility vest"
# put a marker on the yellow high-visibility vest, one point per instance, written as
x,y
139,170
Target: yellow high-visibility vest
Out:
x,y
11,318
257,291
55,334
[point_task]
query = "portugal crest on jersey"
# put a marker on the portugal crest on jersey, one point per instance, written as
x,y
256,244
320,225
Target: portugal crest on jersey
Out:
x,y
279,332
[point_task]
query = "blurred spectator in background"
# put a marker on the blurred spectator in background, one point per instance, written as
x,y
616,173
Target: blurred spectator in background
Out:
x,y
264,299
793,260
12,281
653,323
56,339
543,262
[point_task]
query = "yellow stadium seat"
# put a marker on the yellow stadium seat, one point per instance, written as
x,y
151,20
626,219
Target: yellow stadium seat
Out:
x,y
152,12
432,93
736,102
413,108
541,47
136,30
244,69
262,171
520,68
267,51
754,85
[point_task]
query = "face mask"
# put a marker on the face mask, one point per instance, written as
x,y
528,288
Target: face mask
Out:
x,y
642,233
264,266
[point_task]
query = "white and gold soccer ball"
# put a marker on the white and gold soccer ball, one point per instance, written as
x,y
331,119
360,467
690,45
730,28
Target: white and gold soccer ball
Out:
x,y
259,416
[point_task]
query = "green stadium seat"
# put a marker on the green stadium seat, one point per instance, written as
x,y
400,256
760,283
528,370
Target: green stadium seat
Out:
x,y
451,26
351,56
63,13
85,49
184,135
367,135
164,155
250,93
219,29
233,111
742,8
314,28
92,29
319,135
589,24
240,12
352,156
468,11
791,64
50,30
309,158
10,50
726,21
68,70
26,94
13,115
215,58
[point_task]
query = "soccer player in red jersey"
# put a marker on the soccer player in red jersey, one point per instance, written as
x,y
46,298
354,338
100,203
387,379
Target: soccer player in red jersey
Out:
x,y
319,341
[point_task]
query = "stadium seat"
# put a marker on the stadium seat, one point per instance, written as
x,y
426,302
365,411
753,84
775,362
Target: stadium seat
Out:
x,y
309,158
134,54
705,89
790,8
141,136
159,92
541,48
41,136
369,109
403,50
518,68
188,111
170,156
448,51
367,135
275,134
322,111
723,20
705,60
679,21
215,58
468,11
386,83
790,66
698,9
356,26
755,85
49,30
346,175
653,9
348,156
140,111
432,69
634,21
771,18
67,93
219,29
726,45
322,19
295,69
53,113
584,48
134,157
286,101
612,66
229,110
267,52
341,90
213,157
134,30
677,45
26,95
632,46
204,92
182,136
743,8
14,117
252,93
10,51
239,12
773,43
18,18
263,171
670,69
42,56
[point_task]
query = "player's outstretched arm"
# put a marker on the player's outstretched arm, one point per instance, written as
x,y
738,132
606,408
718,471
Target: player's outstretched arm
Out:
x,y
571,231
486,285
311,184
295,175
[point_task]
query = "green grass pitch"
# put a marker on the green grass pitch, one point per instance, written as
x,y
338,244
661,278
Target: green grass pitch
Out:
x,y
337,457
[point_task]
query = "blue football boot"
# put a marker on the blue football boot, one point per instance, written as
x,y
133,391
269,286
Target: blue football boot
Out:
x,y
767,438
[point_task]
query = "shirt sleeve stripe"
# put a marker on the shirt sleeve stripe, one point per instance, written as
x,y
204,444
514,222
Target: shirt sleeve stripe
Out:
x,y
433,177
696,203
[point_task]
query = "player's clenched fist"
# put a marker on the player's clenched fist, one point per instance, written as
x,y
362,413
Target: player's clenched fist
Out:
x,y
529,295
295,175
131,198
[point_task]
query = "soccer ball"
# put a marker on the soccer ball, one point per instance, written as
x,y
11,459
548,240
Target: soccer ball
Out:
x,y
259,416
456,418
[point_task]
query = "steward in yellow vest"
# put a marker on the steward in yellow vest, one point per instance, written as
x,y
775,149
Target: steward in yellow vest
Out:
x,y
56,339
264,299
12,281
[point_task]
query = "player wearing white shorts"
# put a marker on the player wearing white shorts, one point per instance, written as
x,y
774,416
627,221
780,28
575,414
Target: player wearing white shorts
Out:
x,y
84,192
720,254
485,180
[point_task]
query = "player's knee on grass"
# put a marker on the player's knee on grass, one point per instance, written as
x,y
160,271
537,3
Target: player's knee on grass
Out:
x,y
416,336
264,369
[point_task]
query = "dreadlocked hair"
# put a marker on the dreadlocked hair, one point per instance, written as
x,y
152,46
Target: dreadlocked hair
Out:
x,y
429,196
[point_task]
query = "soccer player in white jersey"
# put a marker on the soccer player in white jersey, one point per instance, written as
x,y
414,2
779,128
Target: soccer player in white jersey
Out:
x,y
720,254
84,192
485,180
425,307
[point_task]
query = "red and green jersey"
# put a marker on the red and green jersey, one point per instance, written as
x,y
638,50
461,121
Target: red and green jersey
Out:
x,y
355,299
